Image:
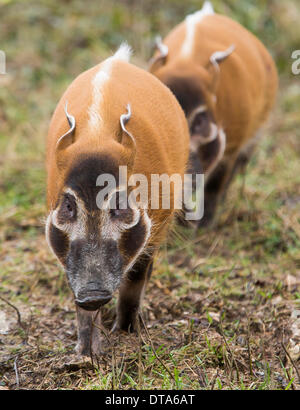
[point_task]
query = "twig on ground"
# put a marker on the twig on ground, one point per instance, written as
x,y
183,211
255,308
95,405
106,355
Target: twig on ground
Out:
x,y
17,371
140,364
209,253
214,380
262,343
230,351
249,349
17,310
291,360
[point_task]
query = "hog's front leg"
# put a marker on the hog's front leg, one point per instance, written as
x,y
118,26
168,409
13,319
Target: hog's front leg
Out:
x,y
89,340
131,294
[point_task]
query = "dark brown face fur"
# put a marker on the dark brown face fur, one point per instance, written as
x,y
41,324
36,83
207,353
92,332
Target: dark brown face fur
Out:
x,y
201,119
96,246
188,94
191,96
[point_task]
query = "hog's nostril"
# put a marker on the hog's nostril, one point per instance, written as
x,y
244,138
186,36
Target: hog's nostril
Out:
x,y
93,300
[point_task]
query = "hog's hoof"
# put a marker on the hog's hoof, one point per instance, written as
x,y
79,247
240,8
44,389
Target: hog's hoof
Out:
x,y
82,350
208,221
76,362
86,349
125,326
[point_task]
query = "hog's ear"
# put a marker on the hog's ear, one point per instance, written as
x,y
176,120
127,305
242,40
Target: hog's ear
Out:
x,y
68,138
213,67
160,59
125,137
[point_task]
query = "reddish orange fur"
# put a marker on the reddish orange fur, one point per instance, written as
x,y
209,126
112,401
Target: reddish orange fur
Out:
x,y
157,124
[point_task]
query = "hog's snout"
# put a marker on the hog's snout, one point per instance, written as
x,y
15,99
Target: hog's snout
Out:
x,y
92,300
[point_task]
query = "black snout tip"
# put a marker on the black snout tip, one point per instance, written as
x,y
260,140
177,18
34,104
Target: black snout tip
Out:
x,y
92,302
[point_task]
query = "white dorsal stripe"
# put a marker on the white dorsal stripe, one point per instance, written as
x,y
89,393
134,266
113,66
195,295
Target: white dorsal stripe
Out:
x,y
190,23
102,76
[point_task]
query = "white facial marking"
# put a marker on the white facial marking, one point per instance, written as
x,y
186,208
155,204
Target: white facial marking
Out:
x,y
48,221
199,110
190,23
213,132
76,229
198,140
148,224
102,76
112,230
213,165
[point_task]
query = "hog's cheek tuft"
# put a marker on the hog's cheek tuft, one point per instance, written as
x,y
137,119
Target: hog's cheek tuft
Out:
x,y
59,243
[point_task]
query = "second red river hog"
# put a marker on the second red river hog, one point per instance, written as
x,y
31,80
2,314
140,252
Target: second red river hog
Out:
x,y
226,82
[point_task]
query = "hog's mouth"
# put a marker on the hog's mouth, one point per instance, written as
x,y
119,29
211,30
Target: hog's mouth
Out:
x,y
92,300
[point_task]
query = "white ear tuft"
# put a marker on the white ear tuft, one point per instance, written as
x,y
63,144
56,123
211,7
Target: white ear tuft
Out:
x,y
219,56
123,121
208,8
72,124
123,53
163,49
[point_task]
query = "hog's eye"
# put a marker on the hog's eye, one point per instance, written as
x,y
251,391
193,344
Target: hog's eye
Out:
x,y
119,208
121,213
68,210
200,124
